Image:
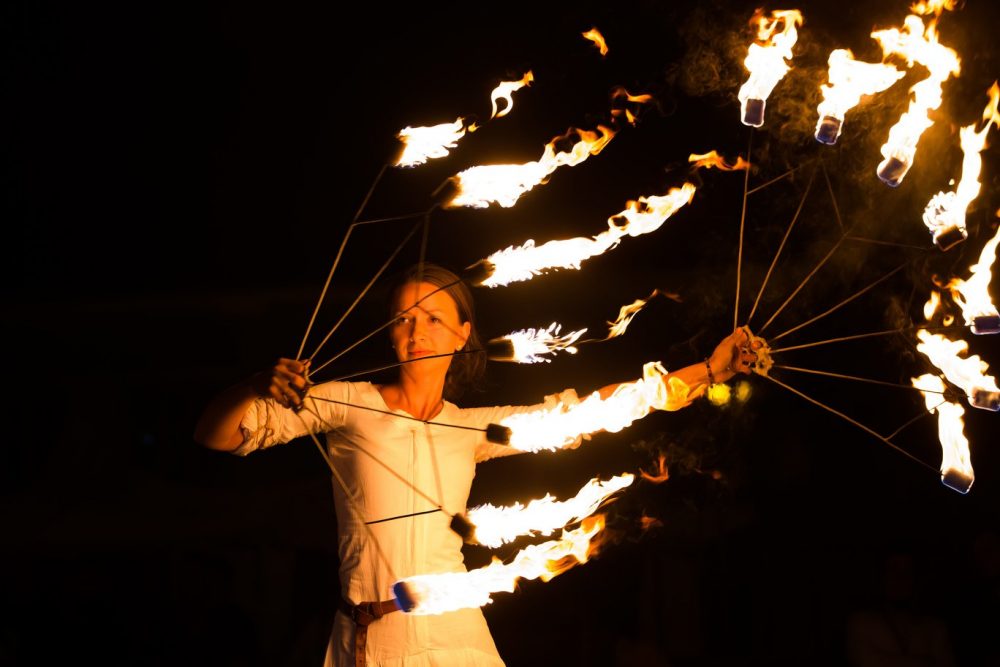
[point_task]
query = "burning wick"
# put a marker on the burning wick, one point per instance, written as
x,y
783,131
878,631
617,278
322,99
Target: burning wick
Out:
x,y
529,345
849,80
766,61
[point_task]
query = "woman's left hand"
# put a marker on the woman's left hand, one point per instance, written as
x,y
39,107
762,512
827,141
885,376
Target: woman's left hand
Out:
x,y
733,355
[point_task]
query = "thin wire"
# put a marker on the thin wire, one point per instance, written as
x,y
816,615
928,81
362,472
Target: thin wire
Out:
x,y
396,414
842,303
858,336
778,178
406,516
367,287
393,218
336,261
923,414
857,379
833,198
862,239
351,503
781,247
400,363
852,421
743,217
802,284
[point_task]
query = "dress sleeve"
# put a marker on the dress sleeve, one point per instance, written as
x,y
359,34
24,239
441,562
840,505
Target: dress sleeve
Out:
x,y
266,422
486,450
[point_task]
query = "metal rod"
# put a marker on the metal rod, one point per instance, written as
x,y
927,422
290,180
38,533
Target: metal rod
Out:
x,y
743,217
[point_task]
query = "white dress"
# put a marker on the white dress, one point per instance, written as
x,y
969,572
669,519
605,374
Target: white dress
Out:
x,y
371,452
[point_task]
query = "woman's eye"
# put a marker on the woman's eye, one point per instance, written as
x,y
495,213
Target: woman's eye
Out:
x,y
435,320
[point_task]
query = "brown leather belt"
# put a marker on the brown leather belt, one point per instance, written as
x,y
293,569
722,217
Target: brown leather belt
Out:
x,y
363,615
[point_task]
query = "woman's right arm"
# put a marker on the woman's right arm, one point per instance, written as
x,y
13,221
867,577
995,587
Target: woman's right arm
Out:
x,y
219,425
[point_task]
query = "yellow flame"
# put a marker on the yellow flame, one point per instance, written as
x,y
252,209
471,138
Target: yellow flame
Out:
x,y
505,92
530,344
973,295
713,159
766,57
932,7
448,591
504,184
641,217
932,305
850,79
918,44
955,457
428,143
620,95
597,38
626,314
560,426
969,373
496,526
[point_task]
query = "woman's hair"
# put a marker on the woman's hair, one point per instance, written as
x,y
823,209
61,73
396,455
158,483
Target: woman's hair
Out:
x,y
467,368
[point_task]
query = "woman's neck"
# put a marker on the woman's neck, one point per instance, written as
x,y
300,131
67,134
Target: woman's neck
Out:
x,y
419,396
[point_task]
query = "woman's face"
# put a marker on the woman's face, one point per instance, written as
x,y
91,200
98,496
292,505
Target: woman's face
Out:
x,y
428,324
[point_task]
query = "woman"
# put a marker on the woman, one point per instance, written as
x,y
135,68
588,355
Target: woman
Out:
x,y
403,459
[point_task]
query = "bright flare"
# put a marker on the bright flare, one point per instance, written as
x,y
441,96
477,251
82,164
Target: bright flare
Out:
x,y
918,45
968,373
427,143
712,159
640,217
496,526
505,91
849,79
504,184
597,38
439,593
945,213
766,61
529,346
626,314
956,463
973,295
560,426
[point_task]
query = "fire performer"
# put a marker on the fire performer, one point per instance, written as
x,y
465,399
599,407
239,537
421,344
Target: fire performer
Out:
x,y
404,457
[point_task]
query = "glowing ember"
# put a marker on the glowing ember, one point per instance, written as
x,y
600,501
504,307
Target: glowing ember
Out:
x,y
968,373
505,91
597,38
849,79
973,295
438,593
956,463
496,526
713,159
945,213
766,61
917,44
560,426
504,184
529,345
527,261
428,143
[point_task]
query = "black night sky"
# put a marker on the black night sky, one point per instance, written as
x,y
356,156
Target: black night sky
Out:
x,y
177,178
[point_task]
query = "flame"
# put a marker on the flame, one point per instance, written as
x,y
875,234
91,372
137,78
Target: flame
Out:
x,y
933,7
713,159
661,474
527,261
530,344
428,143
918,44
560,426
448,591
933,303
597,38
766,57
626,314
946,210
849,79
619,93
973,295
955,458
496,526
649,522
969,373
505,183
505,91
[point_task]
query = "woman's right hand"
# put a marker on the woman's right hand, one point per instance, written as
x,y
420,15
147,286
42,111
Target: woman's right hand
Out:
x,y
286,382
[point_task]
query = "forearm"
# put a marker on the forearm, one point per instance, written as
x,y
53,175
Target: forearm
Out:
x,y
219,425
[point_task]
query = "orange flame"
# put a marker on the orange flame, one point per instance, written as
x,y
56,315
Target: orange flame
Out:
x,y
918,44
449,591
849,80
713,159
934,7
597,38
661,474
766,57
561,425
524,262
946,210
956,462
973,295
496,526
649,522
529,345
626,314
504,184
428,143
505,92
621,96
969,373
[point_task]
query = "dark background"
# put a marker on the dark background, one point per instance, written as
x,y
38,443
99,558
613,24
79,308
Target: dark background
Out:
x,y
177,178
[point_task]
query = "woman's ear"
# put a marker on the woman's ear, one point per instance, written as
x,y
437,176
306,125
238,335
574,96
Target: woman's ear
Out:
x,y
466,332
